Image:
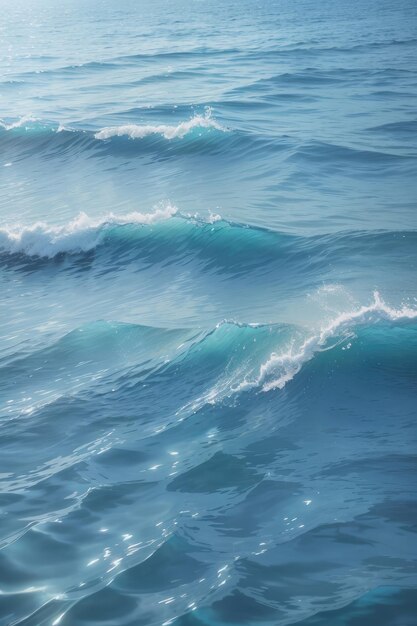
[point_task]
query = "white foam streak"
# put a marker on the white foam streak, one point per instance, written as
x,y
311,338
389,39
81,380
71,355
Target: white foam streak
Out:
x,y
289,363
19,123
135,131
79,235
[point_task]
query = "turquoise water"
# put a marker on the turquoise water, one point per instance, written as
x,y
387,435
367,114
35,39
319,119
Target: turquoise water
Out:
x,y
208,350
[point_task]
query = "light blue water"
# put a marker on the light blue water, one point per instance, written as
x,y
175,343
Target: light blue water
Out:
x,y
208,367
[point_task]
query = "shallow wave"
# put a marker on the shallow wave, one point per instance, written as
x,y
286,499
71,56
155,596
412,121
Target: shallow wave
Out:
x,y
403,127
303,48
168,233
198,122
19,123
27,136
122,61
134,131
313,151
81,234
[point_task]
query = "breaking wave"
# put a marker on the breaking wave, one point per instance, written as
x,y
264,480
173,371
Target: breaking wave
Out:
x,y
135,131
81,234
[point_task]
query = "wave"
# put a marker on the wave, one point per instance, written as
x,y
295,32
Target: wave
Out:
x,y
287,364
403,127
213,243
91,358
20,123
252,365
198,122
306,48
214,366
134,131
28,135
81,234
122,61
313,151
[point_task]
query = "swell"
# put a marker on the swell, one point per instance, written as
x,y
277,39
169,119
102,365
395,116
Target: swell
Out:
x,y
28,137
33,129
120,62
215,244
220,363
302,48
134,131
90,359
266,358
202,132
200,54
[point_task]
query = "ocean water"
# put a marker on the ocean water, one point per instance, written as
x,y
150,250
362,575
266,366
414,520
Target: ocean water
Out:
x,y
208,346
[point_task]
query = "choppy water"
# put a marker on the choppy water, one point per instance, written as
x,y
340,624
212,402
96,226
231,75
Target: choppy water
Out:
x,y
208,351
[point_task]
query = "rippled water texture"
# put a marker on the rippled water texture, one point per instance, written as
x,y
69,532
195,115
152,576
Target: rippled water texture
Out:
x,y
208,332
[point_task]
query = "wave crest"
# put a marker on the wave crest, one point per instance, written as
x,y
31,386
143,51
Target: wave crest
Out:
x,y
134,131
81,234
18,123
253,372
280,368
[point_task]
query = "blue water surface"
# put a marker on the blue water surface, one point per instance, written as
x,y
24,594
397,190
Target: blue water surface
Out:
x,y
208,323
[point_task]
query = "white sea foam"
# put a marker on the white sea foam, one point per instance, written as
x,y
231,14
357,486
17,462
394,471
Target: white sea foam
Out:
x,y
280,368
61,128
211,218
179,131
19,123
81,234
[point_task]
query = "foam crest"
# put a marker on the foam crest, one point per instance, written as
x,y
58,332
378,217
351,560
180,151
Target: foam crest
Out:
x,y
19,123
81,234
135,131
289,363
281,367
